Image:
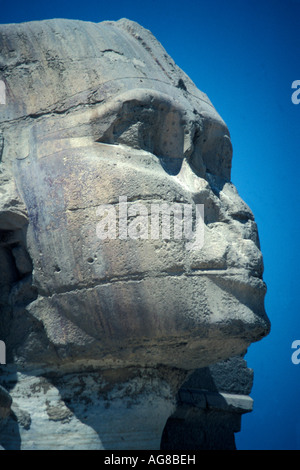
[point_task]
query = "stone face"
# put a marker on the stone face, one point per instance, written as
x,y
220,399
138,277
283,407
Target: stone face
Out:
x,y
95,112
114,116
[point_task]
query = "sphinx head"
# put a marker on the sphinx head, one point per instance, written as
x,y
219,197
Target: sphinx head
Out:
x,y
106,142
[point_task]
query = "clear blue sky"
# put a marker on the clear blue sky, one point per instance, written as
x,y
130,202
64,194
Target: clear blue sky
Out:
x,y
244,55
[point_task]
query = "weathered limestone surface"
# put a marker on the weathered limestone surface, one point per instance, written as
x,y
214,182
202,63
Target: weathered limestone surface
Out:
x,y
94,112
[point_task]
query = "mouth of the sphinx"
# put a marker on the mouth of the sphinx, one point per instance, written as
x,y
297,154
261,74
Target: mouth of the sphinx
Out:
x,y
251,279
232,296
235,277
229,276
182,318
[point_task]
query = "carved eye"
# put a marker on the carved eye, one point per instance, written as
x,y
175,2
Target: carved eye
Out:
x,y
152,123
155,122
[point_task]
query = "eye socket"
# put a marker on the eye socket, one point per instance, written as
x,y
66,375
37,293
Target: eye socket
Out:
x,y
155,122
156,126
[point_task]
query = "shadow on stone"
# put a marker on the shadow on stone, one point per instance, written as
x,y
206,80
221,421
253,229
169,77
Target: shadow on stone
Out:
x,y
209,408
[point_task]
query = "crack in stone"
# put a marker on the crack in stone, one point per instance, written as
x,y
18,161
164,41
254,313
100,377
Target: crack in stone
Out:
x,y
152,200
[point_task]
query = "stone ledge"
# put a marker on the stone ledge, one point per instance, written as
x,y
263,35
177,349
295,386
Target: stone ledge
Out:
x,y
216,400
